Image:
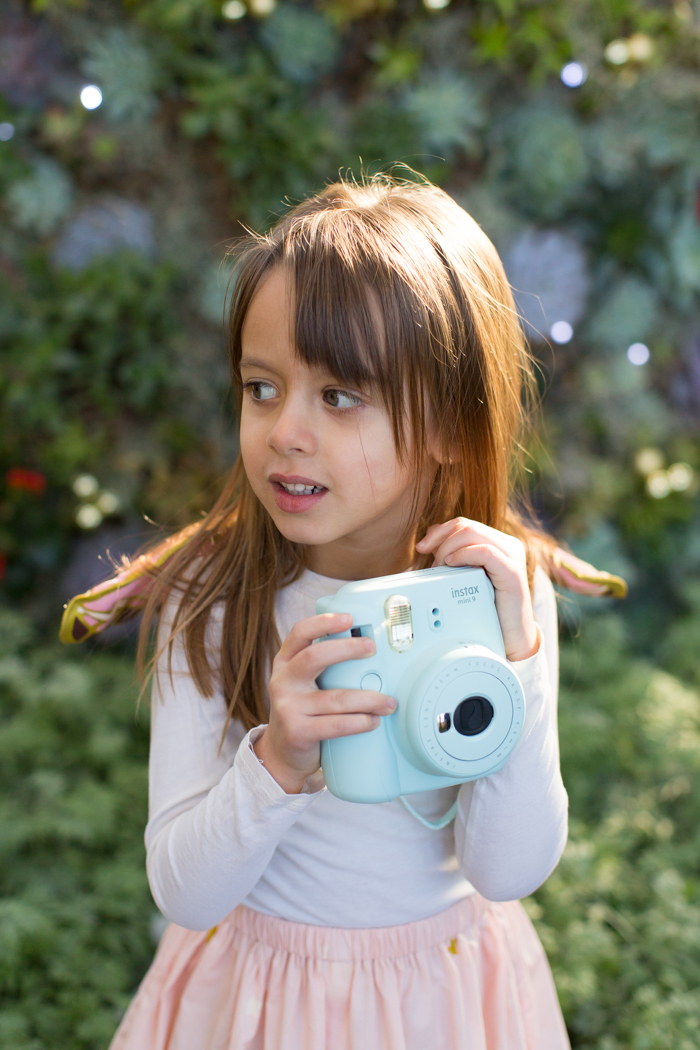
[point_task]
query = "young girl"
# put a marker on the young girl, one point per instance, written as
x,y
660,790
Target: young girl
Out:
x,y
380,372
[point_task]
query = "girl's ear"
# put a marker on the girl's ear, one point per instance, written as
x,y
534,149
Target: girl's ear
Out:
x,y
436,448
438,452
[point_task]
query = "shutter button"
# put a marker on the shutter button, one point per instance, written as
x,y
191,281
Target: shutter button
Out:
x,y
371,681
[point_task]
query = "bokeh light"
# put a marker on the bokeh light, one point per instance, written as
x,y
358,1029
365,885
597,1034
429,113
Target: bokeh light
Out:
x,y
88,516
636,48
658,484
638,354
262,8
640,47
574,74
7,131
617,52
108,503
561,332
435,5
91,96
85,485
233,10
648,460
680,476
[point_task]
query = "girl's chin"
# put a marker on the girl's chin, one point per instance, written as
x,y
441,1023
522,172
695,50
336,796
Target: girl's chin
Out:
x,y
305,533
301,528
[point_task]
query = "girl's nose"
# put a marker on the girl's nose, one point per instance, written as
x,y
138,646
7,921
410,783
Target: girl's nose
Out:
x,y
291,431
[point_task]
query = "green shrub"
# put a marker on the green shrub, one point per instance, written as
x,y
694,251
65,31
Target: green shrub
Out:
x,y
620,917
74,900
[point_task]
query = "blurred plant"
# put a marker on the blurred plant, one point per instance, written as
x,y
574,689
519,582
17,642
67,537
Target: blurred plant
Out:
x,y
272,145
448,112
549,275
530,134
125,72
302,42
620,918
82,354
39,201
74,902
102,229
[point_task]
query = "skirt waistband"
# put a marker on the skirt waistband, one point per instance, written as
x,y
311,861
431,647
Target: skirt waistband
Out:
x,y
339,944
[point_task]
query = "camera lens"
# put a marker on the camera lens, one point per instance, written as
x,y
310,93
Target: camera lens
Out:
x,y
472,716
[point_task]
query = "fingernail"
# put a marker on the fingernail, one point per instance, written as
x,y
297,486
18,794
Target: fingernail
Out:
x,y
420,543
370,646
448,559
392,703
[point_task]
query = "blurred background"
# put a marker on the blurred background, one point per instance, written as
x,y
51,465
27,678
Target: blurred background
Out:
x,y
135,138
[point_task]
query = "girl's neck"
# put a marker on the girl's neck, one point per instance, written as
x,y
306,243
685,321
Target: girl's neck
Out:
x,y
342,560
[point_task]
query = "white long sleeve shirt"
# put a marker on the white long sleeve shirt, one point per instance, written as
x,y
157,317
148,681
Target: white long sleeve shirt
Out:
x,y
221,831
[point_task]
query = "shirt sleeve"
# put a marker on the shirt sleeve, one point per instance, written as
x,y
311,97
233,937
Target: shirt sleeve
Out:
x,y
215,813
511,827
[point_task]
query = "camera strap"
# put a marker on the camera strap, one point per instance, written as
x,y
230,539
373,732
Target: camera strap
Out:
x,y
434,825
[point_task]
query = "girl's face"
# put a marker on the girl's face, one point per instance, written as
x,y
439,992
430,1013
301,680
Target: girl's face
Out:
x,y
320,457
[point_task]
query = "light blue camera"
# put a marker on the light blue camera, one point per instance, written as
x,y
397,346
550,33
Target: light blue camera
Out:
x,y
460,706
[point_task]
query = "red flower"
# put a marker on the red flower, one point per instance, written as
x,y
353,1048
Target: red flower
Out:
x,y
24,480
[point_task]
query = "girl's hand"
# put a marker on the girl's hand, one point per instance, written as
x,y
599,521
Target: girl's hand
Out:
x,y
463,542
301,714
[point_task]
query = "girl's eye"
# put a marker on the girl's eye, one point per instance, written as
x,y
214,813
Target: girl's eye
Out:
x,y
260,391
341,399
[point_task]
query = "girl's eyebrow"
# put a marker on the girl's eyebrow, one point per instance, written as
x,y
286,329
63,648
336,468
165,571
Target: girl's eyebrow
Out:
x,y
256,362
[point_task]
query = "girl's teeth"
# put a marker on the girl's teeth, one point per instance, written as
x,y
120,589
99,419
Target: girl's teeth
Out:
x,y
297,489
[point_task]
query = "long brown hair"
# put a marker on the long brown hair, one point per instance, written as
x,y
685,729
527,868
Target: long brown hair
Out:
x,y
396,287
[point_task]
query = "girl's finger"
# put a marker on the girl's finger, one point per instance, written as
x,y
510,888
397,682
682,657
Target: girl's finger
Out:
x,y
350,702
304,632
331,726
308,664
437,534
469,538
459,532
503,572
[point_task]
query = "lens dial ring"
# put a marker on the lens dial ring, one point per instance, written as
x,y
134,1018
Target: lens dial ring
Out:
x,y
484,700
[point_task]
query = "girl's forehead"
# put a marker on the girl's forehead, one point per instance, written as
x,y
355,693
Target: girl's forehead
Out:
x,y
319,329
271,308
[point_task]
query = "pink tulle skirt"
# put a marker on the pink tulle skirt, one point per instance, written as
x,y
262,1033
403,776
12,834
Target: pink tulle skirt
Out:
x,y
474,977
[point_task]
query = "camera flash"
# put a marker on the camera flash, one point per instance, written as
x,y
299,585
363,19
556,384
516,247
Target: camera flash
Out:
x,y
399,623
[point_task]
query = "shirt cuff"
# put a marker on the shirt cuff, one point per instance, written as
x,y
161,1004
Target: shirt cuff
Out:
x,y
313,785
533,676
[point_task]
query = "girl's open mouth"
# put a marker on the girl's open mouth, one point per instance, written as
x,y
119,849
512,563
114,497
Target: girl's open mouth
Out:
x,y
295,494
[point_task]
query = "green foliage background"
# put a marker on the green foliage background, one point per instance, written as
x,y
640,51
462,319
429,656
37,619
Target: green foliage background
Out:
x,y
111,364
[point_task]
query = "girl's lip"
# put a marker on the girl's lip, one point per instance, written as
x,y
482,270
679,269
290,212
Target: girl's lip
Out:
x,y
290,502
294,479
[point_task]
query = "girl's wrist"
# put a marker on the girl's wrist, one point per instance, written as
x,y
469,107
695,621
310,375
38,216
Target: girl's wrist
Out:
x,y
291,780
529,647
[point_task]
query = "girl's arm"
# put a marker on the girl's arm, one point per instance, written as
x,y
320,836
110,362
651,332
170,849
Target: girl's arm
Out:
x,y
511,827
216,815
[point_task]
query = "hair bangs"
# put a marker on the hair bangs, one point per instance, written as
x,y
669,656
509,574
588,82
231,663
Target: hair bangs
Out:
x,y
354,317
